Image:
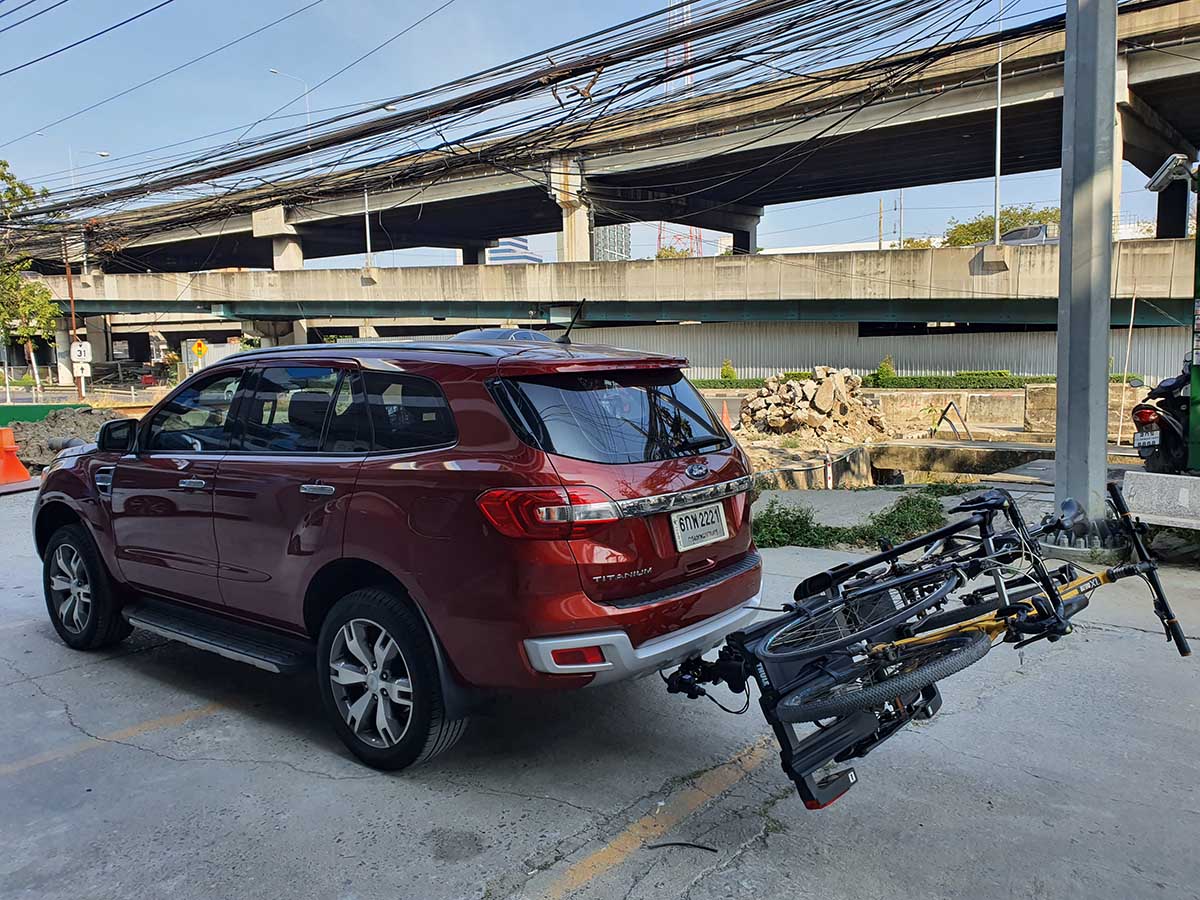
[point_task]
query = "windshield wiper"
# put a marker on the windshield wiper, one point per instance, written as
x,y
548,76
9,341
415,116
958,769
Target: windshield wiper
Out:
x,y
700,443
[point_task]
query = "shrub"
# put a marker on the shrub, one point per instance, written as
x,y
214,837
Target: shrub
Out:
x,y
785,526
728,372
887,367
797,376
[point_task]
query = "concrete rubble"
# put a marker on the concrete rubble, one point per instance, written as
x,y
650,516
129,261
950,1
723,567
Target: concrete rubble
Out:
x,y
830,405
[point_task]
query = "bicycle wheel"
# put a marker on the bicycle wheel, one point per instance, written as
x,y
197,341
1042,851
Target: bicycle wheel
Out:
x,y
832,625
873,682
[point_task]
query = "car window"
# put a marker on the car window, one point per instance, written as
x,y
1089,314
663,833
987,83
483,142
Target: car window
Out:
x,y
287,408
348,430
194,419
407,412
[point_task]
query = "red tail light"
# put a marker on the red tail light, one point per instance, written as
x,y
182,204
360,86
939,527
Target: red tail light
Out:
x,y
548,513
1145,415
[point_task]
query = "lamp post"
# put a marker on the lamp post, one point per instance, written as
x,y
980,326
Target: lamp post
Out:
x,y
307,107
999,78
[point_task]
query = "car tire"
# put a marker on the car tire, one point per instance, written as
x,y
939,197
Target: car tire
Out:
x,y
374,651
80,595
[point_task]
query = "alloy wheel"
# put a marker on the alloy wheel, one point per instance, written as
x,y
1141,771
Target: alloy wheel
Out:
x,y
71,589
370,682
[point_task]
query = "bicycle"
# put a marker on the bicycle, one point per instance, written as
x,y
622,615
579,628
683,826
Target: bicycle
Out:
x,y
861,649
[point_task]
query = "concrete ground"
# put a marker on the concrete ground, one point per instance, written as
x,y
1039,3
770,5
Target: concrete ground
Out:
x,y
157,770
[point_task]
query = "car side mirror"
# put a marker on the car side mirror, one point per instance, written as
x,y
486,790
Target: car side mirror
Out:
x,y
117,435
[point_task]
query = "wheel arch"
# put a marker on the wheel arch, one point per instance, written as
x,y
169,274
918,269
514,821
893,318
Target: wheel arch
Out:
x,y
51,517
341,576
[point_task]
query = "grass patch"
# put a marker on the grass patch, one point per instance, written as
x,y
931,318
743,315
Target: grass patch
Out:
x,y
796,526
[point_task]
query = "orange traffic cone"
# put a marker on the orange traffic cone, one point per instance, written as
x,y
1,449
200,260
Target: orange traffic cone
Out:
x,y
11,470
725,415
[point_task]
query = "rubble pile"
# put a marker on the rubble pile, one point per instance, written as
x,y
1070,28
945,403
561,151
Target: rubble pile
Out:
x,y
33,447
829,405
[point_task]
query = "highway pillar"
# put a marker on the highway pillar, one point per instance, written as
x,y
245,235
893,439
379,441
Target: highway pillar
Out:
x,y
62,354
286,250
472,255
1172,218
1085,267
268,331
745,240
567,188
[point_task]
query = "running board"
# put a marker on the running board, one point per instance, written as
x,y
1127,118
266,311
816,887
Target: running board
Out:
x,y
238,641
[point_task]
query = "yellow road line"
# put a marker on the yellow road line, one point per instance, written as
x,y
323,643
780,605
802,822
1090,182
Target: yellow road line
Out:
x,y
678,807
123,734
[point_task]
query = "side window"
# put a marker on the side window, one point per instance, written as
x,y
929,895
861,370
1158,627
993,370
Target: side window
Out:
x,y
348,431
287,409
407,412
194,419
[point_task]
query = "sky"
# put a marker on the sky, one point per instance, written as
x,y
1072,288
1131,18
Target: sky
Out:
x,y
235,87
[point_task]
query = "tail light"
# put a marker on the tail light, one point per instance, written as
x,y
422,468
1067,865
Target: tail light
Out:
x,y
548,513
1145,415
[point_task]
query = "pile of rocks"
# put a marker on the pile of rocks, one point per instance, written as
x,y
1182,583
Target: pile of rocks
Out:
x,y
829,405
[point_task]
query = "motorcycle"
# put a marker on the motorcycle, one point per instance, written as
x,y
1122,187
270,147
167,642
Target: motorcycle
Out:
x,y
1162,423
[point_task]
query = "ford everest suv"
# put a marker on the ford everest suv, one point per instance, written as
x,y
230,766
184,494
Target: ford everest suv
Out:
x,y
423,522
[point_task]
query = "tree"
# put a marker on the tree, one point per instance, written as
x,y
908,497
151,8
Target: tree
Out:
x,y
921,243
672,252
982,228
27,308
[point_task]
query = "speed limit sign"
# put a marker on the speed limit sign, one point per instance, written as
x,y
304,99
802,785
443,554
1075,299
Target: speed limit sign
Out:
x,y
81,352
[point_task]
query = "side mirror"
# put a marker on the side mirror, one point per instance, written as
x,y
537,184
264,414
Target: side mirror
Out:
x,y
1136,383
117,435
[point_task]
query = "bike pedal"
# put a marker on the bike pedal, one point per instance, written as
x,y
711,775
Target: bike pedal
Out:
x,y
820,794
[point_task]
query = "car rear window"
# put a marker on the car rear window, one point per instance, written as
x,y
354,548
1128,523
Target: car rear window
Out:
x,y
611,417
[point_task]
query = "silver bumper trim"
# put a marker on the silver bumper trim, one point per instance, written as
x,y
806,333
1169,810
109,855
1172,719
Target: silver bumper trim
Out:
x,y
648,506
622,660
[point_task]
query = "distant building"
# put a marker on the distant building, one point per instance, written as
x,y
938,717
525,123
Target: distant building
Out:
x,y
612,243
512,250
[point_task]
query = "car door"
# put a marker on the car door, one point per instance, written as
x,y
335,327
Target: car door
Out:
x,y
162,493
283,488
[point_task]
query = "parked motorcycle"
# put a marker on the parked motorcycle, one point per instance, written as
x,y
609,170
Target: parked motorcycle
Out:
x,y
1162,423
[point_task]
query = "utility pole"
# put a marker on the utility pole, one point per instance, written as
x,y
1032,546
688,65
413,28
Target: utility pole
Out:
x,y
901,229
367,225
880,223
71,294
999,97
1085,264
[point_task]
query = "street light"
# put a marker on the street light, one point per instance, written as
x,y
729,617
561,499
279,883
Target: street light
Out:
x,y
307,108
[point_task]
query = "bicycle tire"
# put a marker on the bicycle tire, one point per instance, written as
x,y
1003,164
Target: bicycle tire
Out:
x,y
937,660
843,625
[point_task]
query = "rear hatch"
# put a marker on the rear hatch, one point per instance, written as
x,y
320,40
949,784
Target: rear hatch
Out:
x,y
636,430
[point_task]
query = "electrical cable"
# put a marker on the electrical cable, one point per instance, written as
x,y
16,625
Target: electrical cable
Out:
x,y
33,16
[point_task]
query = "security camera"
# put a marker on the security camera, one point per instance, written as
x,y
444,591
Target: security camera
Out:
x,y
1176,168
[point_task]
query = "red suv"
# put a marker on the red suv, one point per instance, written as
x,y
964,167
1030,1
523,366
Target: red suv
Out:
x,y
430,521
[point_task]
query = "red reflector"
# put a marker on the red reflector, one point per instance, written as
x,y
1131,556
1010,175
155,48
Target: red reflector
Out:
x,y
578,656
1145,416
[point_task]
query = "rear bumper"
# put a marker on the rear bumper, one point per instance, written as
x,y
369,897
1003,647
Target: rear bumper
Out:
x,y
622,660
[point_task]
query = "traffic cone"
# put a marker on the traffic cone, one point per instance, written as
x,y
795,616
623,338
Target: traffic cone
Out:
x,y
11,470
725,416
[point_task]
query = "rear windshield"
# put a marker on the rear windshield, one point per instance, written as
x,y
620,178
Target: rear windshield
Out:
x,y
612,417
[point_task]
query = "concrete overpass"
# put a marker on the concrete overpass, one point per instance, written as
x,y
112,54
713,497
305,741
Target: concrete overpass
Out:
x,y
737,153
1019,284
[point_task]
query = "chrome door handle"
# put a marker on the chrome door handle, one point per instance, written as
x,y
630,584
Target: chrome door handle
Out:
x,y
321,490
192,483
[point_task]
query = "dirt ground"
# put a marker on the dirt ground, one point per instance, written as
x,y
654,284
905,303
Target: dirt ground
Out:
x,y
32,437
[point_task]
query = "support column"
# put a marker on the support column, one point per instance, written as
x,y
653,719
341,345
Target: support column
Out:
x,y
745,240
286,253
1172,219
567,188
472,254
286,250
62,353
269,331
300,331
1085,268
1118,162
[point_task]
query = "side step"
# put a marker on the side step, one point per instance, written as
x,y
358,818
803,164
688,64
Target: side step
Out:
x,y
251,644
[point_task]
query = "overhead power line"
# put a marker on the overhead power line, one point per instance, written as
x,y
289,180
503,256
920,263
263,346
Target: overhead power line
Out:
x,y
168,72
90,37
32,16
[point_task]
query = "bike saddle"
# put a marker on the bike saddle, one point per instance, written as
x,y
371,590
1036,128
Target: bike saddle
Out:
x,y
993,499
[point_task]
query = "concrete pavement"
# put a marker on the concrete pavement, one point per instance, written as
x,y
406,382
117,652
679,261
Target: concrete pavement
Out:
x,y
156,769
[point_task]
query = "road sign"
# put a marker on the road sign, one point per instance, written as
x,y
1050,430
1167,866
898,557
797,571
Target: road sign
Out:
x,y
199,348
81,369
81,351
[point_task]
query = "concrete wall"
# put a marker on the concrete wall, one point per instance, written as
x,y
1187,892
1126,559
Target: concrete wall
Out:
x,y
1041,400
978,407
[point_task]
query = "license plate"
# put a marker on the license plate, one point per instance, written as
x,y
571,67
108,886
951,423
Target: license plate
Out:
x,y
700,526
1147,439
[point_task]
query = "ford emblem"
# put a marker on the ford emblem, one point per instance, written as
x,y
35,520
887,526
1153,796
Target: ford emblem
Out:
x,y
697,470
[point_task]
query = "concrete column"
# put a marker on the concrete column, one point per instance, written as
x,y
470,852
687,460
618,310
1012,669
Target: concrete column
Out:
x,y
1118,163
62,352
567,187
286,253
269,331
472,255
745,240
300,331
1085,268
1172,219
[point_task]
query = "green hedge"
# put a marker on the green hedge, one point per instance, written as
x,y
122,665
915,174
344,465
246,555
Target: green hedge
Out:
x,y
30,412
972,381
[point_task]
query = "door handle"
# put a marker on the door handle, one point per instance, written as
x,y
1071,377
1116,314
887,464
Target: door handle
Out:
x,y
320,490
192,483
